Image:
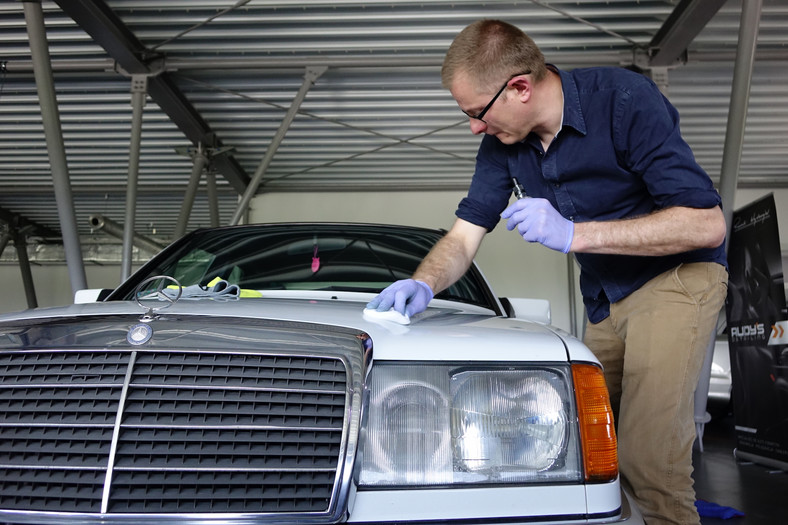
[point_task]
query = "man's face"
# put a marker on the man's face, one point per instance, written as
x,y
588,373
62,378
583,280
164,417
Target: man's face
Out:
x,y
497,113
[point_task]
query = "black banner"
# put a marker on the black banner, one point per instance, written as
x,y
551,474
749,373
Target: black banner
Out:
x,y
757,338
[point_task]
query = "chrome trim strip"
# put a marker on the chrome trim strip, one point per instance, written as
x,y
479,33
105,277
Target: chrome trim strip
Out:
x,y
116,433
59,425
49,467
233,387
238,427
62,385
220,469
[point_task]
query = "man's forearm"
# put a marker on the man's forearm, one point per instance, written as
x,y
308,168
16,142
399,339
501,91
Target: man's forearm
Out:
x,y
665,232
451,257
443,266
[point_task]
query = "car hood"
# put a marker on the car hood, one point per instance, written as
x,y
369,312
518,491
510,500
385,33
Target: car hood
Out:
x,y
442,332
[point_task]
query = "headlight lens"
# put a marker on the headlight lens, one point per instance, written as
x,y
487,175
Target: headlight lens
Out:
x,y
434,424
507,421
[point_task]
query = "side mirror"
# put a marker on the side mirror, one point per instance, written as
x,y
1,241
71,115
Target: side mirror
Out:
x,y
536,310
91,295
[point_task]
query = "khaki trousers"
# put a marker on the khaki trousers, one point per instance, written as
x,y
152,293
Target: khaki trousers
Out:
x,y
652,347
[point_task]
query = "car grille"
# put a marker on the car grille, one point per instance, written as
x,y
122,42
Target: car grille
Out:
x,y
116,432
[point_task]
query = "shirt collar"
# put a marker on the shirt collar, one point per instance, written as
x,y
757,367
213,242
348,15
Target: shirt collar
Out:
x,y
573,114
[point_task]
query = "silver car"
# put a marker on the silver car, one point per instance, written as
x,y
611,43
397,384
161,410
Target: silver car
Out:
x,y
235,378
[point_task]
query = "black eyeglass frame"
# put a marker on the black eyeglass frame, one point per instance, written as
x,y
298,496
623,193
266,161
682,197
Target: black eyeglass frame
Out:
x,y
480,115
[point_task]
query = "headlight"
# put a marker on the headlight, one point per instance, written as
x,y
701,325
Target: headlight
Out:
x,y
438,424
505,421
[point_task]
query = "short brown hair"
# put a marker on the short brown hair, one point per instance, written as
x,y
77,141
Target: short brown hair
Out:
x,y
489,52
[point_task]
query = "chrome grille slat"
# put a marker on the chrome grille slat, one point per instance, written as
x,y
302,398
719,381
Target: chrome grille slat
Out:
x,y
113,447
242,388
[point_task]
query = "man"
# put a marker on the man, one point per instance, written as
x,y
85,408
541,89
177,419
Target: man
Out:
x,y
608,177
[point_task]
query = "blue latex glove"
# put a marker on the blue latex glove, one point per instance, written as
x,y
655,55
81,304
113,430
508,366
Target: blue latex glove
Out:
x,y
538,221
407,296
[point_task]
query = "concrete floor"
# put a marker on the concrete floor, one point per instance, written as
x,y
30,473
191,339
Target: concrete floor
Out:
x,y
759,491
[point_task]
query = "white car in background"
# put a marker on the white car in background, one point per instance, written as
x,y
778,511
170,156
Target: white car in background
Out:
x,y
721,380
235,379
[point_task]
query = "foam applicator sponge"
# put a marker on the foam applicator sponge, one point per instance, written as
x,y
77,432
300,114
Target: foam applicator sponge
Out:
x,y
389,315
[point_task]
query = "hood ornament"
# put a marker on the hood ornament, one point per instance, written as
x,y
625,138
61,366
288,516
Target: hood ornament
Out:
x,y
142,332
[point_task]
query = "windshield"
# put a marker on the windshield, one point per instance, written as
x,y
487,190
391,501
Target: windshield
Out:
x,y
325,257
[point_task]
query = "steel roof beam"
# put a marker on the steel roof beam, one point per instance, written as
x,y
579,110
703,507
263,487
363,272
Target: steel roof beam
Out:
x,y
17,221
570,58
310,77
107,30
689,17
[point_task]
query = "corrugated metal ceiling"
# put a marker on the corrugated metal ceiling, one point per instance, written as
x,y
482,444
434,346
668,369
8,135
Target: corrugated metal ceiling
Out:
x,y
377,118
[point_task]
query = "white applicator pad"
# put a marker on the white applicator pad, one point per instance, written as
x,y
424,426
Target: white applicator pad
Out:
x,y
389,315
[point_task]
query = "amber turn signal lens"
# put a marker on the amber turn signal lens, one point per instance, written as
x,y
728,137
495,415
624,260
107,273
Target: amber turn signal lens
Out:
x,y
597,431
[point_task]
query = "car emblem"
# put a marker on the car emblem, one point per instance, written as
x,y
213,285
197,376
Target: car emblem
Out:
x,y
139,334
142,332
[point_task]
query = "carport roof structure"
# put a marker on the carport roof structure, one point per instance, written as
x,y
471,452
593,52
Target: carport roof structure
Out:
x,y
234,99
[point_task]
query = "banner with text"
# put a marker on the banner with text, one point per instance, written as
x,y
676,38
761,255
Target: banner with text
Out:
x,y
758,333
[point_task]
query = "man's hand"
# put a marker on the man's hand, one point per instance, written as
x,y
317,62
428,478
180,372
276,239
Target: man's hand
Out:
x,y
538,221
407,296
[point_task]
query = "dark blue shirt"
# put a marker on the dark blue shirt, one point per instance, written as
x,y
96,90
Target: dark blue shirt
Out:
x,y
619,154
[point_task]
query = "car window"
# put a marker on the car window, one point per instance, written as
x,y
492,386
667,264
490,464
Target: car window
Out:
x,y
349,258
191,267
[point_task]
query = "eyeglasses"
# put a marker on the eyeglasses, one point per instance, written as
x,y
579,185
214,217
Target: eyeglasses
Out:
x,y
480,115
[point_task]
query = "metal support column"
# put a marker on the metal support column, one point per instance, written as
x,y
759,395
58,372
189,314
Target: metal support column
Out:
x,y
139,91
199,161
740,95
213,196
20,242
311,75
731,159
661,77
4,238
42,66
